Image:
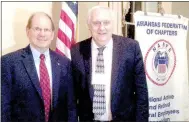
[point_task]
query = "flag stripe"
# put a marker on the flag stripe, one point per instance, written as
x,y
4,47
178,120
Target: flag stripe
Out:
x,y
57,50
161,68
68,22
69,12
67,19
67,28
62,47
64,28
64,38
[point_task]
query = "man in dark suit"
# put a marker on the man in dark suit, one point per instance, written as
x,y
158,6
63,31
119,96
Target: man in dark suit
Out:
x,y
108,73
36,83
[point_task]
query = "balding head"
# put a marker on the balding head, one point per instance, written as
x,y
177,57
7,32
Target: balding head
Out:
x,y
29,24
98,8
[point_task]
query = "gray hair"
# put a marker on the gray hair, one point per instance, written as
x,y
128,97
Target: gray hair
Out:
x,y
96,8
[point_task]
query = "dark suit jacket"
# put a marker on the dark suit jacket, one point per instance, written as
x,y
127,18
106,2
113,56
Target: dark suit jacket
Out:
x,y
129,94
21,95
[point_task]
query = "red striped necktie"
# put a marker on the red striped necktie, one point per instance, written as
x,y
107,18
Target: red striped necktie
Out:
x,y
45,86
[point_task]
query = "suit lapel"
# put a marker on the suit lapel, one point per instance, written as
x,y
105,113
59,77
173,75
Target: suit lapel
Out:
x,y
55,77
29,64
117,50
87,58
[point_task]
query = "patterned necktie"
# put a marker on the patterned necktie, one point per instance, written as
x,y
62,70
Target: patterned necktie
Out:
x,y
99,101
45,86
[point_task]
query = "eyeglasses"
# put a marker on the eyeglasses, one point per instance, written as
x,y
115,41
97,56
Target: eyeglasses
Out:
x,y
38,30
98,23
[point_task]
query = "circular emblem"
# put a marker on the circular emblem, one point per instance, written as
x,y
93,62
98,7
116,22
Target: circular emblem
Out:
x,y
160,62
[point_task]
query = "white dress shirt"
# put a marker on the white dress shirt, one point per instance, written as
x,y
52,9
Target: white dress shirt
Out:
x,y
36,56
106,77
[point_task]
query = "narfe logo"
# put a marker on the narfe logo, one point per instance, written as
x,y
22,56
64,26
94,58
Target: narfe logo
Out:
x,y
160,62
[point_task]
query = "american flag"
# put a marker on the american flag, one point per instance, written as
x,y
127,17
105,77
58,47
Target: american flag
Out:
x,y
161,66
67,28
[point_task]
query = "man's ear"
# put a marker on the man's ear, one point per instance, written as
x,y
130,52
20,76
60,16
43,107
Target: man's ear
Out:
x,y
27,31
52,36
88,26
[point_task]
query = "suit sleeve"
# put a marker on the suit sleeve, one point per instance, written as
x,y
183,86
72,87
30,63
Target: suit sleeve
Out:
x,y
75,79
5,90
72,114
142,111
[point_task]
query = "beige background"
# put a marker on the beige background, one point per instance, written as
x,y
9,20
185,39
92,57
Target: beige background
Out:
x,y
16,14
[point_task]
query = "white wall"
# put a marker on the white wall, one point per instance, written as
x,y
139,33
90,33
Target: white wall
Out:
x,y
83,8
182,8
14,20
15,16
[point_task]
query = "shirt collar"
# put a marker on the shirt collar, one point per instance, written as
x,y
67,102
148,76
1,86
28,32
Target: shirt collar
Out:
x,y
36,53
95,46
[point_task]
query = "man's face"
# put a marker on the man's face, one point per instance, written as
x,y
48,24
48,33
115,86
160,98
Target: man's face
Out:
x,y
40,34
101,26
